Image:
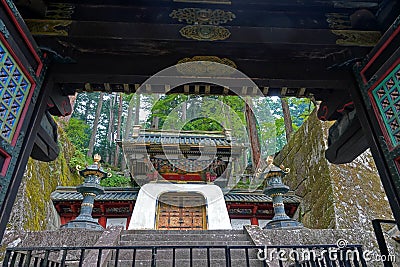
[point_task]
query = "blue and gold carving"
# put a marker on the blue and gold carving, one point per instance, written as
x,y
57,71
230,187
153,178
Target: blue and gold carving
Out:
x,y
14,90
387,99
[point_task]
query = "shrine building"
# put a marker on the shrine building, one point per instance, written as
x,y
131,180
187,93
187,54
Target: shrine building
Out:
x,y
185,184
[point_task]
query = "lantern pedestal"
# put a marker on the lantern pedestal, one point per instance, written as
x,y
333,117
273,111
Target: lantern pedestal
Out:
x,y
89,190
275,188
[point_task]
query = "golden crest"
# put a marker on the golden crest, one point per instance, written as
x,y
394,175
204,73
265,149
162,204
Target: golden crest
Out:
x,y
205,32
205,22
202,16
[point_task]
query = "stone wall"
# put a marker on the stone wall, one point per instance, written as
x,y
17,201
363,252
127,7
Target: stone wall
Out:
x,y
33,209
344,196
323,236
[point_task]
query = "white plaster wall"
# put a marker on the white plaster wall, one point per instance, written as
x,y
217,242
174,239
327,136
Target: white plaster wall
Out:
x,y
144,213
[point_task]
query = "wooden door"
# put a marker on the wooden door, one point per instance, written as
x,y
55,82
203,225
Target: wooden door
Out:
x,y
181,212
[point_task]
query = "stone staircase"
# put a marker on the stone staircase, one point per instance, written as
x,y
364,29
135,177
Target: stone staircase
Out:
x,y
164,257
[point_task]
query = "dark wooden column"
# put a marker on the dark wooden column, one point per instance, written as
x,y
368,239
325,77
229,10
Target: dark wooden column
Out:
x,y
22,159
376,96
22,103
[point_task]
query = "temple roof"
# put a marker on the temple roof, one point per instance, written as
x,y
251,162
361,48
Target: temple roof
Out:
x,y
180,138
174,141
258,197
69,193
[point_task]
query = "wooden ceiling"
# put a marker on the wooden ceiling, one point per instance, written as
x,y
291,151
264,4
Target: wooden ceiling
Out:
x,y
287,47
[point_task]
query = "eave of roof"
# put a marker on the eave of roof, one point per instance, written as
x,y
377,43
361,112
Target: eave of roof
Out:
x,y
130,194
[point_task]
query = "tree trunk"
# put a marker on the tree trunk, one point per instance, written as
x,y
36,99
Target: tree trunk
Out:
x,y
64,120
155,120
116,156
137,109
253,134
184,110
87,108
128,126
287,119
95,125
221,101
128,123
110,129
229,122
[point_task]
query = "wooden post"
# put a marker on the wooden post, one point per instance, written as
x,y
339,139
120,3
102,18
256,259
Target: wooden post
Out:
x,y
254,221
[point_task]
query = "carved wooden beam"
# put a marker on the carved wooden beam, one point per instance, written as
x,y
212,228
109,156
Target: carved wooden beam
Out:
x,y
169,32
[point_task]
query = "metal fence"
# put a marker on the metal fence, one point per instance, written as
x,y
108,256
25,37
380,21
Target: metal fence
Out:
x,y
380,238
229,256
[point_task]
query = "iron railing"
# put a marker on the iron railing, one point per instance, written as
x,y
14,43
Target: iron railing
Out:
x,y
229,256
380,238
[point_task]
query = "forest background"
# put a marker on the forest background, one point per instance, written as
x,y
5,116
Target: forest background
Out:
x,y
99,120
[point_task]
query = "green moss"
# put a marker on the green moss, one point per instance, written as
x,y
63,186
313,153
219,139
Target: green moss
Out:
x,y
41,179
334,196
309,176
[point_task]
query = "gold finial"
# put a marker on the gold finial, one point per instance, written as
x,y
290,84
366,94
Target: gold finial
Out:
x,y
96,158
270,160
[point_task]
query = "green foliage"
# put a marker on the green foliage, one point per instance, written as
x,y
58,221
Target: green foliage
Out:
x,y
227,113
300,109
208,112
116,180
163,107
77,131
79,159
203,124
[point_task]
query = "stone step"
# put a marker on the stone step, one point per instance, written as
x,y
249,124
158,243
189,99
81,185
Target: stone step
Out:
x,y
184,263
198,232
184,237
186,243
129,254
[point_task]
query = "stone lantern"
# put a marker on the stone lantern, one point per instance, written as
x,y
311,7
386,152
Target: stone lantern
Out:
x,y
89,190
275,188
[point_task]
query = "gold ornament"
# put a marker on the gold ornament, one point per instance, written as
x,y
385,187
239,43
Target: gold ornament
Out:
x,y
205,22
205,32
202,16
357,38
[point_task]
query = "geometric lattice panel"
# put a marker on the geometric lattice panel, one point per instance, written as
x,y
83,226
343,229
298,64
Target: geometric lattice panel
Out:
x,y
387,99
14,90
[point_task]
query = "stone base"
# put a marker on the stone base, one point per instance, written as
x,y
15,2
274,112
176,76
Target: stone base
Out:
x,y
287,224
83,224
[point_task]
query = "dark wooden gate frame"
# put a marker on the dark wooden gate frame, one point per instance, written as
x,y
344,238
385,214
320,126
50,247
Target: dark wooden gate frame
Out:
x,y
20,41
368,74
